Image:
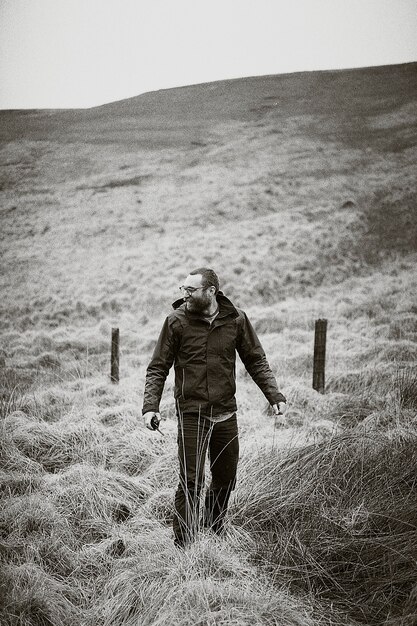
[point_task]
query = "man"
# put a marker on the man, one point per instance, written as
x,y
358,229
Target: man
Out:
x,y
201,337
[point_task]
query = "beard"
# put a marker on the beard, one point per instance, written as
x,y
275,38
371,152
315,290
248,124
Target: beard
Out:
x,y
198,306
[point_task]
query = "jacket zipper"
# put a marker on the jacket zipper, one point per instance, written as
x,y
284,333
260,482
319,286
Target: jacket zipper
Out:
x,y
183,383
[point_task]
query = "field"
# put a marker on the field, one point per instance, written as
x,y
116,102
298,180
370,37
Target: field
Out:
x,y
300,191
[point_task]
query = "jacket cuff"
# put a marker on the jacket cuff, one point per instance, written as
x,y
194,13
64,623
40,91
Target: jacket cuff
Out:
x,y
147,408
280,398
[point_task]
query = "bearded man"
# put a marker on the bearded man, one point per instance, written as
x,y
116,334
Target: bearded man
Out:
x,y
200,337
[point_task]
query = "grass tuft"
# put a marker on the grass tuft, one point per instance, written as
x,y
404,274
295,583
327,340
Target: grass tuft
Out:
x,y
339,519
406,388
33,598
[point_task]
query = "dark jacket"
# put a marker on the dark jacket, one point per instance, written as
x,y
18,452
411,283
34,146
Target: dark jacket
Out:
x,y
204,358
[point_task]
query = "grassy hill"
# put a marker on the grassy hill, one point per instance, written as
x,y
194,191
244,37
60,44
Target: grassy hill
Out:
x,y
300,191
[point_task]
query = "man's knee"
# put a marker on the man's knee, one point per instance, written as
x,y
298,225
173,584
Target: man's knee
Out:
x,y
189,488
221,482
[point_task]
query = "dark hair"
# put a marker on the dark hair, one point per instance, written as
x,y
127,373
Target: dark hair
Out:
x,y
209,278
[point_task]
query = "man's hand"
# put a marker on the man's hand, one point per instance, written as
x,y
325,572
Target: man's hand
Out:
x,y
149,416
279,410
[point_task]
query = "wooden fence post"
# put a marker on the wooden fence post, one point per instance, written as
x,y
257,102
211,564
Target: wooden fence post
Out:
x,y
319,355
114,359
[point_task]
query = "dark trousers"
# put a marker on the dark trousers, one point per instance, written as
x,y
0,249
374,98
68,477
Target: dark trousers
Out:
x,y
196,435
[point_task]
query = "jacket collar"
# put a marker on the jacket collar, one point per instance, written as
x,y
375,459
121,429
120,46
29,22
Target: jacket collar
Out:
x,y
226,307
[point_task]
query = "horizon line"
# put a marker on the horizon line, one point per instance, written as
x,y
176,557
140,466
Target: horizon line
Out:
x,y
221,80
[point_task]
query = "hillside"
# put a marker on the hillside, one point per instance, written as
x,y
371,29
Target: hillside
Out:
x,y
267,151
300,191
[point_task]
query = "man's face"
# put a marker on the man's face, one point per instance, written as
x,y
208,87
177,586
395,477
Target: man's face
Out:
x,y
197,299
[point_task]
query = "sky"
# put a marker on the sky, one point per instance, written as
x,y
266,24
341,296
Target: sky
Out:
x,y
83,53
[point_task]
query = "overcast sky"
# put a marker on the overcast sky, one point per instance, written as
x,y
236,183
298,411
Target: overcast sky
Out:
x,y
82,53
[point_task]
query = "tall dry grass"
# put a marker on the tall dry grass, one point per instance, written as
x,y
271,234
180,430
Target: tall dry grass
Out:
x,y
338,519
319,533
322,523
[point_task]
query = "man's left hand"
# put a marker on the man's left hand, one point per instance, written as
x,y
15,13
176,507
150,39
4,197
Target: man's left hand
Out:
x,y
279,410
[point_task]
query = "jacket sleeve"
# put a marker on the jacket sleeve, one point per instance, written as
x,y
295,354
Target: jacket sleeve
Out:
x,y
158,368
254,359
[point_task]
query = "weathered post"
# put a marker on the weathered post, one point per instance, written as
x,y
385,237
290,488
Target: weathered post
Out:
x,y
114,359
319,355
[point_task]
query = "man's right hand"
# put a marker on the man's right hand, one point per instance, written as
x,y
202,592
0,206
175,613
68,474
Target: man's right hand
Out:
x,y
147,419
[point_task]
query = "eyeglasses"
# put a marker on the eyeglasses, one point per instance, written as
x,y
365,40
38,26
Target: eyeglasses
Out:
x,y
190,290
